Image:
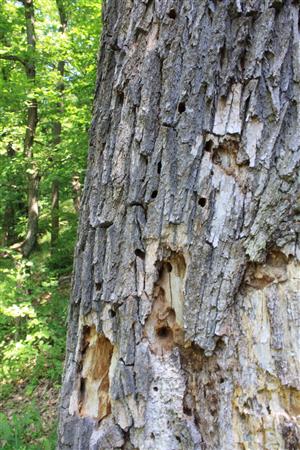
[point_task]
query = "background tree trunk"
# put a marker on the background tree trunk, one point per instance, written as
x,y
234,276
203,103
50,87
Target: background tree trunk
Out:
x,y
32,121
57,128
184,315
9,217
76,188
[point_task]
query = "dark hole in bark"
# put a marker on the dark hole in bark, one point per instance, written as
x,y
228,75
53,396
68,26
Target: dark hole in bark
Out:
x,y
187,411
152,436
277,5
98,286
155,388
159,167
172,14
181,107
222,55
243,60
169,267
120,96
139,253
154,194
164,332
112,313
269,409
202,202
82,387
208,146
178,438
222,380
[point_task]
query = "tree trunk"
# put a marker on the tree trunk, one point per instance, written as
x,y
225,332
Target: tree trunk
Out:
x,y
32,120
184,314
76,187
9,216
57,128
54,213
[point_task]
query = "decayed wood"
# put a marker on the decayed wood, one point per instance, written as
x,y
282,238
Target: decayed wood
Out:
x,y
188,248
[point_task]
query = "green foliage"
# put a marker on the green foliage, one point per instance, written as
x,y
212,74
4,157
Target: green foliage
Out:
x,y
34,293
32,322
23,429
77,47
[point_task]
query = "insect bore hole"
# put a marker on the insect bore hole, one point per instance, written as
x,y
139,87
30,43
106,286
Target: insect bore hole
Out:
x,y
164,332
202,202
172,14
181,107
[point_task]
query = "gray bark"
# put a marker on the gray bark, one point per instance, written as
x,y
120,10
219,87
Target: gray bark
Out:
x,y
184,313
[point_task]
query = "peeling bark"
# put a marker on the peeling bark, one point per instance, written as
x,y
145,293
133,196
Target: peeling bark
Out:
x,y
187,258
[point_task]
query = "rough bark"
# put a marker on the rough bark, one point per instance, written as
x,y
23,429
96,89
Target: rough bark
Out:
x,y
184,314
32,120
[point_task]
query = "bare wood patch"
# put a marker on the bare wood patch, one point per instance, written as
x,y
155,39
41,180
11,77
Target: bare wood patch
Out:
x,y
94,398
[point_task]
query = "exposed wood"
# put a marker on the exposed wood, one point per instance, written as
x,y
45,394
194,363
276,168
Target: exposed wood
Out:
x,y
187,258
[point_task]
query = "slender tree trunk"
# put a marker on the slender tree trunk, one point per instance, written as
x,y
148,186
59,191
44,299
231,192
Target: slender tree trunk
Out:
x,y
54,213
32,121
184,316
9,217
76,187
57,129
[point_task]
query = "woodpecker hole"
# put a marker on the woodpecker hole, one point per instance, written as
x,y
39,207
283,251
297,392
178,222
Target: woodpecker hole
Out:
x,y
181,107
202,202
172,14
139,253
164,332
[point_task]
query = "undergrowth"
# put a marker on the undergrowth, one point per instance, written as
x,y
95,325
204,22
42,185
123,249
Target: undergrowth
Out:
x,y
33,307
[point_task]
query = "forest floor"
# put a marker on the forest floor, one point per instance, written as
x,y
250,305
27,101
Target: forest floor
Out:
x,y
34,297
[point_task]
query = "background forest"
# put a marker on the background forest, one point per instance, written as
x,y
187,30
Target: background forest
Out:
x,y
48,53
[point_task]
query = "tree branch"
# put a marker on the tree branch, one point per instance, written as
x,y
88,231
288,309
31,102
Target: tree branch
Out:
x,y
14,58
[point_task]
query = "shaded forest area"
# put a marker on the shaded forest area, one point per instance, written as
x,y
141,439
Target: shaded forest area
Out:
x,y
48,53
